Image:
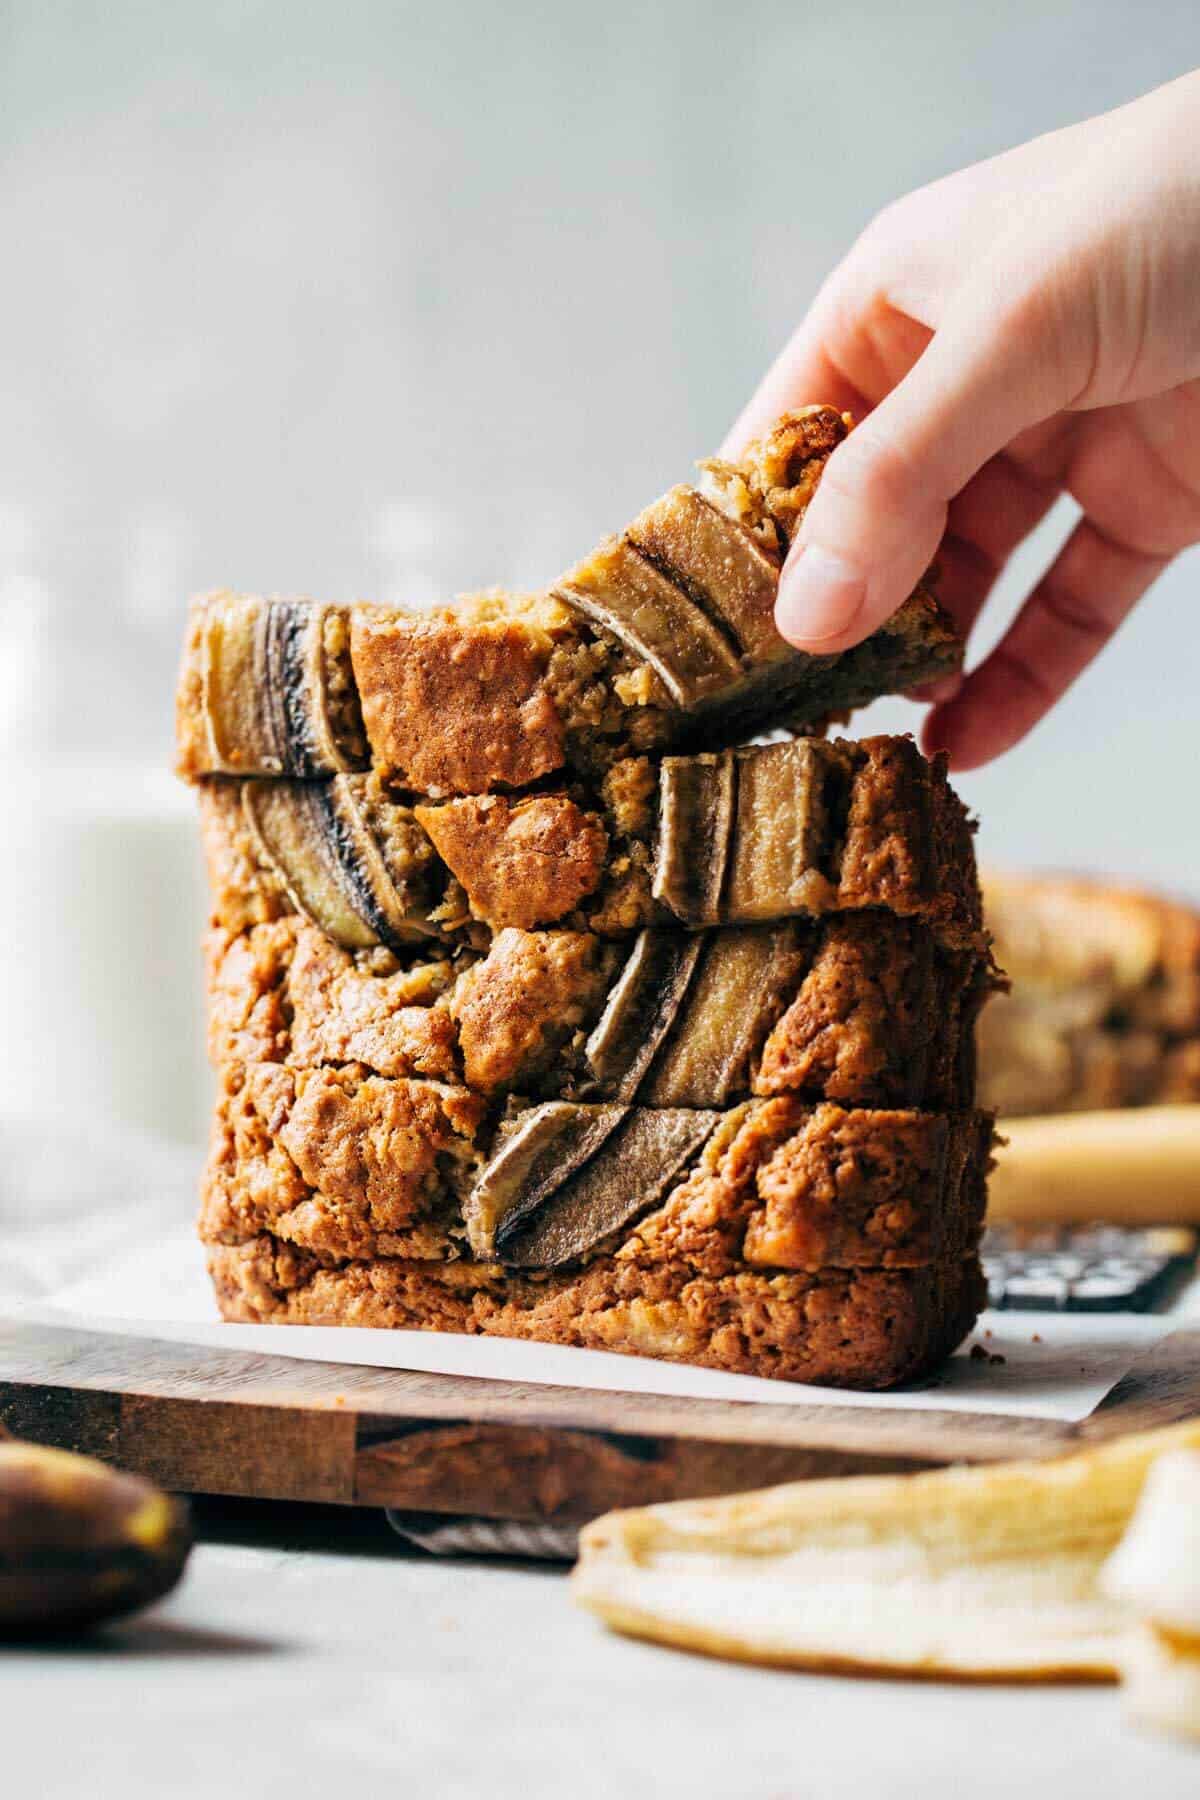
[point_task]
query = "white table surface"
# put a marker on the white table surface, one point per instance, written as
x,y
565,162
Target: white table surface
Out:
x,y
309,1652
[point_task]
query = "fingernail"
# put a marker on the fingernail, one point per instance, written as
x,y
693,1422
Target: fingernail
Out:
x,y
820,596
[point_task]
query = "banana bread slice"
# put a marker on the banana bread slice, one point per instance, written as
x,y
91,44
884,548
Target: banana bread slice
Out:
x,y
1104,1007
853,1328
350,1166
865,1009
804,827
663,636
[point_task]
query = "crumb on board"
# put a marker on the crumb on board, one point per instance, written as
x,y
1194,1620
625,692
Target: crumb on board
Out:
x,y
979,1354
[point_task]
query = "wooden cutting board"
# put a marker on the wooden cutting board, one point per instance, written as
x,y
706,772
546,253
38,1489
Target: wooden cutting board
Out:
x,y
271,1427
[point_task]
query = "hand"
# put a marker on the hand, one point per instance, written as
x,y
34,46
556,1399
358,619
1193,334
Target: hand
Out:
x,y
1025,328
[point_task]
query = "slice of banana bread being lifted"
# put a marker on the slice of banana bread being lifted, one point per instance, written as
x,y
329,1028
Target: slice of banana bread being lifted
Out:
x,y
663,637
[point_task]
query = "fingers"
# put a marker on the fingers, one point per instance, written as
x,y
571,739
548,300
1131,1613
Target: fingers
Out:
x,y
936,693
1065,623
1136,471
876,519
995,512
851,350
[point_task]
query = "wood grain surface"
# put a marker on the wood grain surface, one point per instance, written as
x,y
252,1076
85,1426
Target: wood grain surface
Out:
x,y
271,1427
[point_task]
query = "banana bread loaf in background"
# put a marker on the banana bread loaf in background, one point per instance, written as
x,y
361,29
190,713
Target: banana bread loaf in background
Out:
x,y
1104,1007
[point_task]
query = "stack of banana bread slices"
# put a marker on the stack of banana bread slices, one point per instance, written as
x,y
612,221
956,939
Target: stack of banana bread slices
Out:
x,y
532,1017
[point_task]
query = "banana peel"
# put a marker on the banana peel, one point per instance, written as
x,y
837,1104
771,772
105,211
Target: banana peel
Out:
x,y
1160,1670
1155,1572
982,1573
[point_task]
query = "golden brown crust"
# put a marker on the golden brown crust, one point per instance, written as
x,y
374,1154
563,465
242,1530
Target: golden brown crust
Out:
x,y
865,1010
908,838
785,1186
463,701
192,755
283,993
242,889
881,826
456,705
784,466
533,993
522,862
885,1016
340,1162
843,1328
805,1241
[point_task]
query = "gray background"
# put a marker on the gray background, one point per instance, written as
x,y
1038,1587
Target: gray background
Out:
x,y
393,300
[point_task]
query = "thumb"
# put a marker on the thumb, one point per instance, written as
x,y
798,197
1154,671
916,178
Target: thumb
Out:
x,y
875,522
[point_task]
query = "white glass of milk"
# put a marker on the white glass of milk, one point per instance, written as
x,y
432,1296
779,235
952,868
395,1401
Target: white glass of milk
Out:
x,y
101,913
